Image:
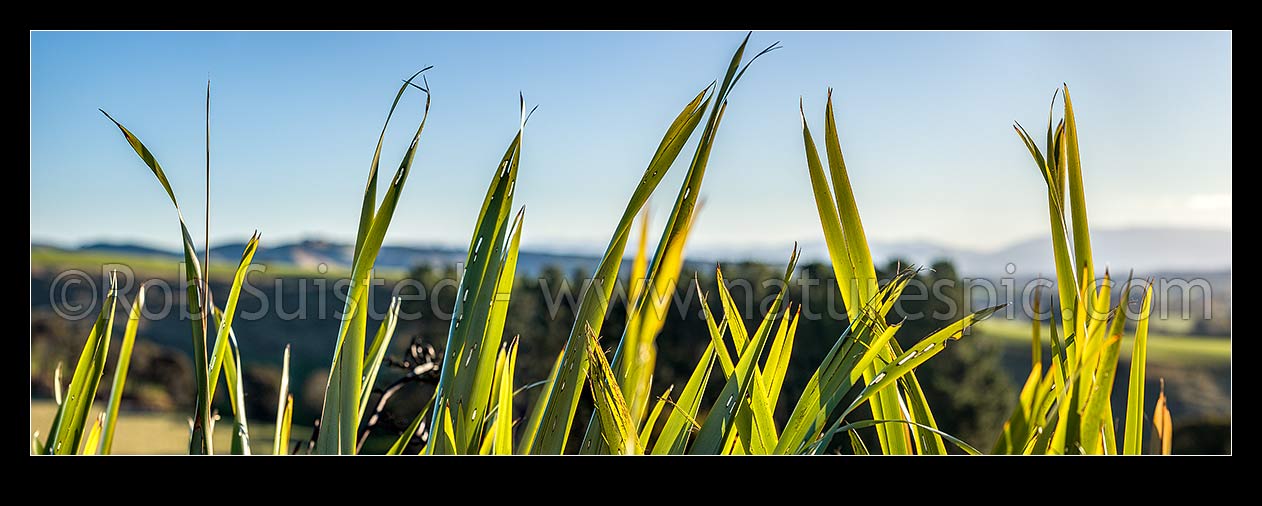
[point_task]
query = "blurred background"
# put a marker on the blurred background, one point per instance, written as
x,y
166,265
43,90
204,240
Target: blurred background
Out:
x,y
925,120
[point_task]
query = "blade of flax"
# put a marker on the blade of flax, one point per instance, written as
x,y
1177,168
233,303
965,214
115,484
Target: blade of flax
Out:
x,y
368,210
856,242
651,316
37,446
638,281
501,389
66,433
57,383
224,324
637,350
646,430
617,429
1109,432
755,429
558,405
914,406
1094,417
928,442
469,356
717,332
120,372
640,264
1067,417
200,437
847,246
837,372
280,441
527,437
234,374
92,441
1097,317
673,438
1067,287
286,424
236,392
663,272
490,429
559,413
1050,393
1077,200
377,352
491,314
1067,437
339,423
896,436
906,362
1133,438
1072,421
882,335
720,421
503,444
856,444
778,360
1161,421
1041,414
1080,344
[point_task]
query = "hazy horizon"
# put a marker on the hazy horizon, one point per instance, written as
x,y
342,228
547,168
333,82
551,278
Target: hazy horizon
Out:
x,y
577,247
922,133
1144,250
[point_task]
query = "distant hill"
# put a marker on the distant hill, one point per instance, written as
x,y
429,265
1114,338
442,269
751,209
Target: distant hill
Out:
x,y
1142,249
308,254
312,253
125,249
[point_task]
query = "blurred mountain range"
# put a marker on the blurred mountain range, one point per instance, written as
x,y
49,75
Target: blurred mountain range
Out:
x,y
1142,249
1121,249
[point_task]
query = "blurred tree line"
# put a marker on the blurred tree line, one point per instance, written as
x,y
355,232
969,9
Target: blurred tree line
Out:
x,y
969,392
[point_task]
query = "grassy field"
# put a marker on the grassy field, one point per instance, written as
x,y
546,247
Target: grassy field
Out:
x,y
164,433
1162,348
152,266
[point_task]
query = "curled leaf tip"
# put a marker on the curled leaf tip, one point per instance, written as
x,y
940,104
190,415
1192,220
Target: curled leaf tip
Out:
x,y
529,114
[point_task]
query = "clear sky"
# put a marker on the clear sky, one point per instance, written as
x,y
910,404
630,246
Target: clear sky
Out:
x,y
925,121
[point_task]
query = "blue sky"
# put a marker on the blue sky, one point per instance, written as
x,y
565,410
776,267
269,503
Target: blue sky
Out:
x,y
925,121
